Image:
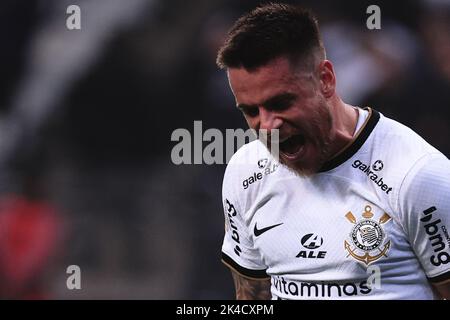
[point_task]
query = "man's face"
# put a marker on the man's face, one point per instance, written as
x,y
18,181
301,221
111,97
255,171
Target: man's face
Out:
x,y
276,96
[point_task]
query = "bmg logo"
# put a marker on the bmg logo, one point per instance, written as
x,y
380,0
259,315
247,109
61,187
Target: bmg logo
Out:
x,y
434,231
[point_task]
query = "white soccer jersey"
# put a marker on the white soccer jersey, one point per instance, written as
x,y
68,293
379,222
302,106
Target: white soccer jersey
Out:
x,y
372,224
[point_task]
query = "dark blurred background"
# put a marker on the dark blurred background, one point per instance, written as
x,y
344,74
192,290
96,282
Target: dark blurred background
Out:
x,y
86,117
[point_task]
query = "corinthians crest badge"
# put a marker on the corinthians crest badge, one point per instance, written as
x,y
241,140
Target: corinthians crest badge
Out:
x,y
367,237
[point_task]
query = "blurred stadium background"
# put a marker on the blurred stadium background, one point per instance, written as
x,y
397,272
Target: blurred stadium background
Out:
x,y
86,119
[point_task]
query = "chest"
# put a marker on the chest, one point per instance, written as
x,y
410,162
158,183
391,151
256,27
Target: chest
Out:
x,y
314,226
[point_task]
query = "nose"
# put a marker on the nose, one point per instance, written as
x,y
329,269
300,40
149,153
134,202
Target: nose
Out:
x,y
268,120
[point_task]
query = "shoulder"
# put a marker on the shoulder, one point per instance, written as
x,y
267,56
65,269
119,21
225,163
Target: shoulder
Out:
x,y
410,162
431,173
400,148
395,137
245,160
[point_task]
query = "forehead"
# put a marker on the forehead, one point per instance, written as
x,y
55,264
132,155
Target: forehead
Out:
x,y
254,87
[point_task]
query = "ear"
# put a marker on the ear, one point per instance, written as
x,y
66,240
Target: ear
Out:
x,y
327,78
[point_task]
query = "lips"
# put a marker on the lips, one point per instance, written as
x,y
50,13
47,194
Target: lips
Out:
x,y
293,146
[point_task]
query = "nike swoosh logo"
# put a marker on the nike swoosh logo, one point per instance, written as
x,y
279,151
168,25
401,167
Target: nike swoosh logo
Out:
x,y
259,232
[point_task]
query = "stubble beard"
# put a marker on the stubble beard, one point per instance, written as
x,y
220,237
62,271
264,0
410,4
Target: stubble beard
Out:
x,y
321,126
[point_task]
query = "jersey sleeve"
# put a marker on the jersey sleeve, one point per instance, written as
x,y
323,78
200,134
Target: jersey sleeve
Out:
x,y
425,206
238,251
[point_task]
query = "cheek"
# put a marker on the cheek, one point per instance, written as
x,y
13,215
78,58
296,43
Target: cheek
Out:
x,y
322,126
252,122
303,118
317,122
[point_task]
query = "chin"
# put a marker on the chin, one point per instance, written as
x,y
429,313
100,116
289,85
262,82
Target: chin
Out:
x,y
298,169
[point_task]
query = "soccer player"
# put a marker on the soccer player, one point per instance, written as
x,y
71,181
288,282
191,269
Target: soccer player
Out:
x,y
357,205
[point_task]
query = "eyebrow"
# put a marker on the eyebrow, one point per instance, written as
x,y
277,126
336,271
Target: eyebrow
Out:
x,y
270,101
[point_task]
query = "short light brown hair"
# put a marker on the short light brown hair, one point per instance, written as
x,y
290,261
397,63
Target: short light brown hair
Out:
x,y
268,32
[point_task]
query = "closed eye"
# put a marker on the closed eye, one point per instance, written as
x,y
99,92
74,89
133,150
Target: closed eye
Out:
x,y
280,102
249,111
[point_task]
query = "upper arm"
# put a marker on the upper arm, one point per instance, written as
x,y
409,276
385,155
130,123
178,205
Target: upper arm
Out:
x,y
239,252
443,289
425,206
251,289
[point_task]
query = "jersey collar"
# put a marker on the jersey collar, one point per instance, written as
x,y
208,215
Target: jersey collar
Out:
x,y
355,144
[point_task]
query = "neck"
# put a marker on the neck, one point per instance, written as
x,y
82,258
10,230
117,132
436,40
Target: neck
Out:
x,y
345,118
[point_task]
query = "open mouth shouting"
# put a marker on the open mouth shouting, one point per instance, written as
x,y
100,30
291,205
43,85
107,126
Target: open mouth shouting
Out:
x,y
293,148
